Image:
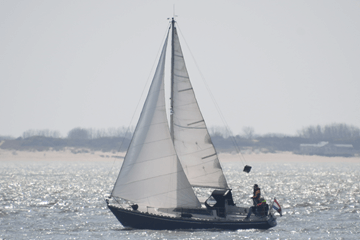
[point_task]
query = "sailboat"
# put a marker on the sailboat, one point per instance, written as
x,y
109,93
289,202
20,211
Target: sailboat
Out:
x,y
163,164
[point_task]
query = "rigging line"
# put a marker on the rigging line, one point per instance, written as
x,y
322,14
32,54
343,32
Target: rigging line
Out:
x,y
233,140
142,94
217,107
162,55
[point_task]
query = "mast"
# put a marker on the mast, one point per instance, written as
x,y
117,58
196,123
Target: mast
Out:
x,y
151,174
172,79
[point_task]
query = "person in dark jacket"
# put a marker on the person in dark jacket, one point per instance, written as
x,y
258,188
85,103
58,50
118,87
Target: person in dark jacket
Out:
x,y
256,195
256,201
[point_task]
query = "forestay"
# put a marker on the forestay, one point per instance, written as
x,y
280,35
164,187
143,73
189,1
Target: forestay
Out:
x,y
151,174
191,137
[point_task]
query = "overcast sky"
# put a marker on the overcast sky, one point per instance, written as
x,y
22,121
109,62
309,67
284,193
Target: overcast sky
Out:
x,y
276,66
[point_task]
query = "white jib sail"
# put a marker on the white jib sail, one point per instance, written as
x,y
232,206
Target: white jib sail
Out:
x,y
151,174
191,137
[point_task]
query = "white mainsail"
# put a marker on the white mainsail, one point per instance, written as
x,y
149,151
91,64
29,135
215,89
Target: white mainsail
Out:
x,y
151,173
191,137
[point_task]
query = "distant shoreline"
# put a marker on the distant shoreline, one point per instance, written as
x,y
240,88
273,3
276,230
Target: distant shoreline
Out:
x,y
85,155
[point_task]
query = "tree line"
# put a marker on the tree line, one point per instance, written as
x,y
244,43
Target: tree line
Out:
x,y
333,131
248,141
81,133
112,139
92,133
330,132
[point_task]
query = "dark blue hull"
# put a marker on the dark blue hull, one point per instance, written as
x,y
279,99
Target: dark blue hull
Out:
x,y
140,220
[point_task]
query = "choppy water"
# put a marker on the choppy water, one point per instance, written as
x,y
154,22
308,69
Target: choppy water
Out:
x,y
64,200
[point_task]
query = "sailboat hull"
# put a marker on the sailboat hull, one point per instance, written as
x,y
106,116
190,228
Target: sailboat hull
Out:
x,y
140,220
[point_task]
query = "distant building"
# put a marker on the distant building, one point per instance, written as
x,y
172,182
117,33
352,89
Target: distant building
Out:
x,y
327,149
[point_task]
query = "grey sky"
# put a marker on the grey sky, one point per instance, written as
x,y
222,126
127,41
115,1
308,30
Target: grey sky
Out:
x,y
274,65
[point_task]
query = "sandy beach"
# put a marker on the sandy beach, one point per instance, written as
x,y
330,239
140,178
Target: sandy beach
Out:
x,y
90,156
64,155
284,157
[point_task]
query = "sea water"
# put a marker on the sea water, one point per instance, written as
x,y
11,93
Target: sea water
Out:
x,y
64,200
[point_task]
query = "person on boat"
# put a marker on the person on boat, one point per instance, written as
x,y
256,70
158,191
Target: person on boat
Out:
x,y
260,209
256,195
